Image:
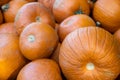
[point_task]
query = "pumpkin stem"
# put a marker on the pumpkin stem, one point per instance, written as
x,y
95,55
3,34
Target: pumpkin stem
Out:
x,y
90,66
79,12
31,38
38,19
98,24
5,7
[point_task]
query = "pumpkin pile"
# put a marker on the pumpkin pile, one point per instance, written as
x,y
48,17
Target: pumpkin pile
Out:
x,y
59,40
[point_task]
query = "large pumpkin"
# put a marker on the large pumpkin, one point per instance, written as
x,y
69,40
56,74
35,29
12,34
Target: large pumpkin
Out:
x,y
74,22
7,28
38,40
11,59
107,13
33,12
10,9
41,69
65,8
47,3
1,17
90,53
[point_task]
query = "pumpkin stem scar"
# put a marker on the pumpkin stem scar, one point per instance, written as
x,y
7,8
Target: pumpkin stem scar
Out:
x,y
38,19
31,38
98,23
90,66
5,7
79,11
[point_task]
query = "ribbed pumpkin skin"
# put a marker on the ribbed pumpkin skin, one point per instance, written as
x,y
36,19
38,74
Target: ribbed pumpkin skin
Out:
x,y
65,8
90,45
11,59
33,12
41,69
10,9
74,22
107,13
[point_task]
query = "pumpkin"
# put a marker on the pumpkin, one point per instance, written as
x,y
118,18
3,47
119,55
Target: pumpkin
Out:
x,y
4,2
10,9
90,53
55,54
47,3
7,28
41,69
31,0
65,8
11,59
1,17
117,35
38,40
107,12
32,12
74,22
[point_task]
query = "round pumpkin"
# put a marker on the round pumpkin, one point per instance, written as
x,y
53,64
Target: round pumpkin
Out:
x,y
11,59
47,3
41,69
33,12
107,13
117,35
74,22
10,9
38,40
1,17
90,53
7,28
4,2
65,8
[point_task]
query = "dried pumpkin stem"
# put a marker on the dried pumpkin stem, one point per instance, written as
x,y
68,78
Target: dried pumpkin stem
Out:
x,y
31,38
38,19
79,12
5,7
90,66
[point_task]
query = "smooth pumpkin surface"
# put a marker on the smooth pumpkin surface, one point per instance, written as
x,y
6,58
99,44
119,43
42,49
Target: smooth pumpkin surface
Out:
x,y
107,13
1,17
7,28
41,69
11,59
65,8
4,2
90,53
33,12
10,9
38,40
72,23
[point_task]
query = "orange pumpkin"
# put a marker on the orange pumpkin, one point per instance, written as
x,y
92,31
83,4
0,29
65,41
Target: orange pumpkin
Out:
x,y
90,53
74,22
41,69
10,9
47,3
117,35
33,12
55,54
7,28
1,17
4,2
107,13
38,40
65,8
11,59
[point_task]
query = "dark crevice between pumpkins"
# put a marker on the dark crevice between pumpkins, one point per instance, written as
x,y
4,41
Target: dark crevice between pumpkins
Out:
x,y
93,1
5,7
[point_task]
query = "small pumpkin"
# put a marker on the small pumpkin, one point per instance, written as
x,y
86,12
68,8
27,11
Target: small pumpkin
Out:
x,y
90,53
107,13
1,17
4,2
41,69
11,59
47,3
65,8
8,28
33,12
38,40
10,9
74,22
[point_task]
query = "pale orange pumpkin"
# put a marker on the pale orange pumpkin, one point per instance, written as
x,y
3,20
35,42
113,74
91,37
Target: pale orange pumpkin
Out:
x,y
11,59
74,22
10,9
41,69
90,53
107,13
65,8
33,12
38,40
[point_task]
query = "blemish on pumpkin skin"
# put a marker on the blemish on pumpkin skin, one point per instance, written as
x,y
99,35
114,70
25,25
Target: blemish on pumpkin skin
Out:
x,y
31,38
38,19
